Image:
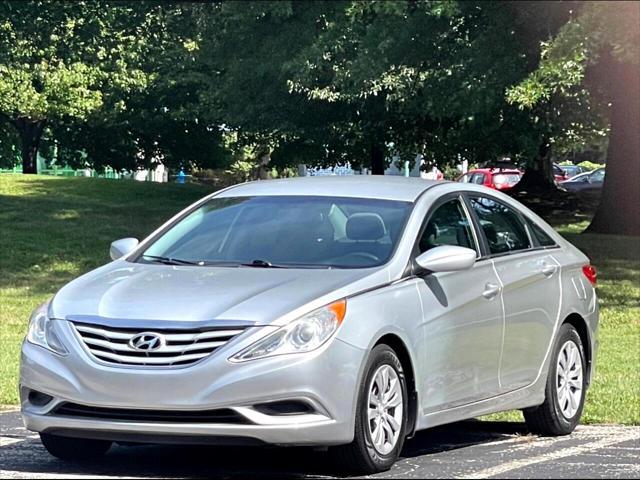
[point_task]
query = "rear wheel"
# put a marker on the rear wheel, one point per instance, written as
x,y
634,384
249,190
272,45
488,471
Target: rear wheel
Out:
x,y
565,389
381,416
74,449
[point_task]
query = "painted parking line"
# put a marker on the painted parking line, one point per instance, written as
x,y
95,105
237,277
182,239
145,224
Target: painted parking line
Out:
x,y
616,437
6,441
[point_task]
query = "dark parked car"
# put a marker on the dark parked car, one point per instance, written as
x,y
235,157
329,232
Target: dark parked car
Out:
x,y
586,182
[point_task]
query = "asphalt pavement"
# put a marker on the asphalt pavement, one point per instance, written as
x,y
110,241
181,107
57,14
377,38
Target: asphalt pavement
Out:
x,y
470,449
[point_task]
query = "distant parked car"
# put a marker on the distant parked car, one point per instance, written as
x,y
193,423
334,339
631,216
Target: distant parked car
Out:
x,y
496,178
585,182
572,170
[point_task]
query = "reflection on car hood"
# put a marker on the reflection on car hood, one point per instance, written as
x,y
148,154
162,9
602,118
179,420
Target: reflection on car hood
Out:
x,y
124,290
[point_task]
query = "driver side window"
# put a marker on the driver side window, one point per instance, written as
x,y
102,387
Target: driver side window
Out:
x,y
448,225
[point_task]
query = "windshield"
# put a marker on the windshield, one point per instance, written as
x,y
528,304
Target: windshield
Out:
x,y
284,231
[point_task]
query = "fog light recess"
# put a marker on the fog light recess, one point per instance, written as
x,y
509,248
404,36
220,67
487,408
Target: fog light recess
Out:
x,y
38,399
285,407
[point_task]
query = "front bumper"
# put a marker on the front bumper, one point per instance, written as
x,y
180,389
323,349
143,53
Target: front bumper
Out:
x,y
326,380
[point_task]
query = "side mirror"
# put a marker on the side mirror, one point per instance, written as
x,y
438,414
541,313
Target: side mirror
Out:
x,y
447,258
122,247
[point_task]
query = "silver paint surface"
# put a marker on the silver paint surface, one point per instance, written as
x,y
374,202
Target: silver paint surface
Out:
x,y
479,340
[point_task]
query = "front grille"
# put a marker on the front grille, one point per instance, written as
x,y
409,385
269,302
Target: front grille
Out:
x,y
220,415
178,347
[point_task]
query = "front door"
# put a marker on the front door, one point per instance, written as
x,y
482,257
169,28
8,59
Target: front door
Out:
x,y
462,318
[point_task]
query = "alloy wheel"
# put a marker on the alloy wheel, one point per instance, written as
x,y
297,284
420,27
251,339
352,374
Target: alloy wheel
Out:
x,y
569,379
385,409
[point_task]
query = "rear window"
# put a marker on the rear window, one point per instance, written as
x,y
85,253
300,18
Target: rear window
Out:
x,y
509,179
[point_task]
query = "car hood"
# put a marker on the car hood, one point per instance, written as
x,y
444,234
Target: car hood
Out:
x,y
123,290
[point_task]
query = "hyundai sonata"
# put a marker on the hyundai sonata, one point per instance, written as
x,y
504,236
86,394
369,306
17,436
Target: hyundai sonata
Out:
x,y
341,312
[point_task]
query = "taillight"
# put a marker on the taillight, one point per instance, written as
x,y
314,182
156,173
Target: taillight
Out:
x,y
591,274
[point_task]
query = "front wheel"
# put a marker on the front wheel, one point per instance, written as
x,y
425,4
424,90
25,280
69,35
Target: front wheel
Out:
x,y
565,389
74,449
381,416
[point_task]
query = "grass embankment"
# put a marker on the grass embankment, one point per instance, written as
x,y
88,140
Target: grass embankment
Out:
x,y
53,229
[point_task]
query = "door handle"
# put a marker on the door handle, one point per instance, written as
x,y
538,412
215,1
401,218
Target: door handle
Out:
x,y
491,290
548,270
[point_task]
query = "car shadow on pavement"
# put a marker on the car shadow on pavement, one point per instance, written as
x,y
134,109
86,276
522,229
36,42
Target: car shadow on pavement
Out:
x,y
159,461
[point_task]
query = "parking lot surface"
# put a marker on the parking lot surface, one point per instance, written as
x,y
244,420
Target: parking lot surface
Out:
x,y
464,450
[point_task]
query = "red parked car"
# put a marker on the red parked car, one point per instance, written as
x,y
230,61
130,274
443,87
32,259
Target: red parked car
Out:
x,y
496,178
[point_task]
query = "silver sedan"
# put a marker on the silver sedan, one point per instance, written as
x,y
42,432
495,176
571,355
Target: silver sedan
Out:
x,y
346,312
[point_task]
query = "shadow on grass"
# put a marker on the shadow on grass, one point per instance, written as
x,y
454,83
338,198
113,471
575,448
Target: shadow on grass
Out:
x,y
617,260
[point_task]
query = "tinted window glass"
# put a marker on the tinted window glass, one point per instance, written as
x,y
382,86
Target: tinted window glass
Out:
x,y
540,235
448,225
597,176
286,231
501,225
478,178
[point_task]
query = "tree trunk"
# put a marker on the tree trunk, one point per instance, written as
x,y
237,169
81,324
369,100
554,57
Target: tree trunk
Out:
x,y
30,132
619,208
539,175
377,159
263,171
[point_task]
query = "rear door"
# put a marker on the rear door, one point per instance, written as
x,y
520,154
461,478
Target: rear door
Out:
x,y
530,280
462,316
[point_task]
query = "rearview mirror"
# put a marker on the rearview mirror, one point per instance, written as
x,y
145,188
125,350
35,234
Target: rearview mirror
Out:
x,y
447,258
122,247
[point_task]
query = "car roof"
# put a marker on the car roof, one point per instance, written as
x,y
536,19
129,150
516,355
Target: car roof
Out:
x,y
495,170
384,187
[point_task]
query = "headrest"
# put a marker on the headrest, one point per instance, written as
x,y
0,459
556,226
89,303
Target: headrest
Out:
x,y
365,226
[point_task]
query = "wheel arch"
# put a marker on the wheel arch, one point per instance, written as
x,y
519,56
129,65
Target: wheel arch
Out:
x,y
580,324
399,347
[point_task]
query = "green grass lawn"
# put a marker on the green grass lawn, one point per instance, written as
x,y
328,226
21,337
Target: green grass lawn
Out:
x,y
53,229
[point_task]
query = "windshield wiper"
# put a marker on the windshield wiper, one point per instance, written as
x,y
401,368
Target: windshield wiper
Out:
x,y
261,264
171,261
266,264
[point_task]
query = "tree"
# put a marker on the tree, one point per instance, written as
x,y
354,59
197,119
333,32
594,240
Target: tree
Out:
x,y
247,51
58,61
421,77
9,146
327,82
600,50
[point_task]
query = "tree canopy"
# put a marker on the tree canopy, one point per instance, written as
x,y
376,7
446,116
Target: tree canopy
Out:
x,y
132,84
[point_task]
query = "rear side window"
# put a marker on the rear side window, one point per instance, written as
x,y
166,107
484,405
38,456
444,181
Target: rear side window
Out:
x,y
448,225
501,225
543,239
597,176
477,178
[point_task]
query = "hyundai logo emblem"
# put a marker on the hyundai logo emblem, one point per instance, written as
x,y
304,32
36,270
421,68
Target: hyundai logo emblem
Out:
x,y
147,341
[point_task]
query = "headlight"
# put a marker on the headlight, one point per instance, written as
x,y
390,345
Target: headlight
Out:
x,y
41,332
302,335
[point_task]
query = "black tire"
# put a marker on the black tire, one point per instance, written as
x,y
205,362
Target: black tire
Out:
x,y
74,449
360,456
548,419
